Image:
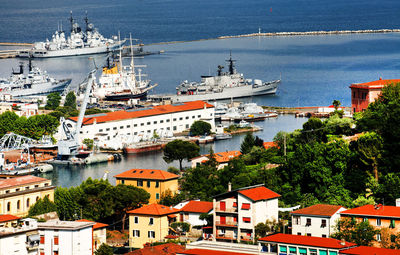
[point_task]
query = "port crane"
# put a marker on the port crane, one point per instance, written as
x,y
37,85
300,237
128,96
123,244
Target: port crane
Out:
x,y
70,145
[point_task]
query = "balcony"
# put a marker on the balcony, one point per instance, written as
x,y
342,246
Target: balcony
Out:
x,y
226,210
226,223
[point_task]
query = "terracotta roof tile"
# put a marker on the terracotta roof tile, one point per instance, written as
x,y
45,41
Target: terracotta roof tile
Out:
x,y
151,174
307,240
156,110
19,181
198,207
259,193
221,157
365,250
163,249
268,145
319,209
8,217
369,210
154,209
208,252
98,225
374,84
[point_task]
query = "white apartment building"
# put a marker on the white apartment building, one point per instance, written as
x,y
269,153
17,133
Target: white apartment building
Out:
x,y
99,233
66,238
173,118
190,212
237,212
318,220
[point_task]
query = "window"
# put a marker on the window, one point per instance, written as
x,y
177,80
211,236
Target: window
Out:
x,y
298,233
180,118
308,222
155,122
157,196
392,224
152,234
365,219
198,116
151,221
167,120
187,117
56,240
245,206
324,236
140,183
128,126
37,186
16,190
187,125
121,127
313,251
378,237
123,181
114,128
378,222
136,233
234,204
193,117
100,130
42,239
37,198
174,119
161,121
18,204
292,250
148,123
135,125
148,184
174,128
323,223
135,133
157,184
7,191
28,202
8,206
141,124
107,129
136,219
308,234
27,187
46,184
247,219
168,128
296,220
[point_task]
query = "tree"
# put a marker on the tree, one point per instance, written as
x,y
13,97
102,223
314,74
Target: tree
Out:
x,y
89,143
53,101
361,233
169,199
104,249
270,226
200,127
127,198
7,122
369,147
247,144
70,100
336,104
66,203
180,150
42,206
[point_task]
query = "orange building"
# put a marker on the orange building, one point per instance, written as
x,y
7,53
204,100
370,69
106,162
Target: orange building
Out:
x,y
153,181
362,94
379,216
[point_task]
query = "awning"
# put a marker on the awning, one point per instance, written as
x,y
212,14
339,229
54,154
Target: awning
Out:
x,y
245,206
34,238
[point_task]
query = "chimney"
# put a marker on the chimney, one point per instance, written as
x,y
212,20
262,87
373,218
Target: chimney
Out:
x,y
397,202
229,186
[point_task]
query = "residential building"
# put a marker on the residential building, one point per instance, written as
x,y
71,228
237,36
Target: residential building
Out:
x,y
150,223
303,245
66,237
163,249
99,233
362,94
21,240
222,158
237,212
191,210
154,181
172,118
379,216
18,194
317,220
367,250
8,220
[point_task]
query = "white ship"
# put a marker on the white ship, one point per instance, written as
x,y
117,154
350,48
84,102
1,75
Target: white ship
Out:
x,y
78,43
225,85
36,82
120,83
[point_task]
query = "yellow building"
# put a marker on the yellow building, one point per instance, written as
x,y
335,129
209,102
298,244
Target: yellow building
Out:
x,y
150,224
18,194
153,181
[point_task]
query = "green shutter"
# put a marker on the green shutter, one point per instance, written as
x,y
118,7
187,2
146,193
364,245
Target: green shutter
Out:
x,y
292,249
323,252
303,251
392,224
282,248
332,252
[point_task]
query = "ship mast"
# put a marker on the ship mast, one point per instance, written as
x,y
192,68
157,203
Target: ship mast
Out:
x,y
71,20
231,64
86,22
132,63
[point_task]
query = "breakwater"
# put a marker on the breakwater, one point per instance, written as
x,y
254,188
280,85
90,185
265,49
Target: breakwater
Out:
x,y
308,33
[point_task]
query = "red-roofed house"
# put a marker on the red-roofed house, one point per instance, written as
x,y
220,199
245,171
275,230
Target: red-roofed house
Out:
x,y
237,212
7,220
190,212
99,233
173,118
362,94
366,250
149,224
153,181
268,145
163,249
379,216
222,158
304,245
317,220
18,194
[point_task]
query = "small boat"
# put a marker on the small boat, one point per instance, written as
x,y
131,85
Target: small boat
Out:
x,y
244,124
223,136
205,139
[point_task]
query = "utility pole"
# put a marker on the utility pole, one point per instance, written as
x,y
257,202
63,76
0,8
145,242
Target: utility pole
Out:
x,y
284,145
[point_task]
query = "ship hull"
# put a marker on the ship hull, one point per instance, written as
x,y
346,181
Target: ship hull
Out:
x,y
230,92
38,89
125,96
69,52
141,149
